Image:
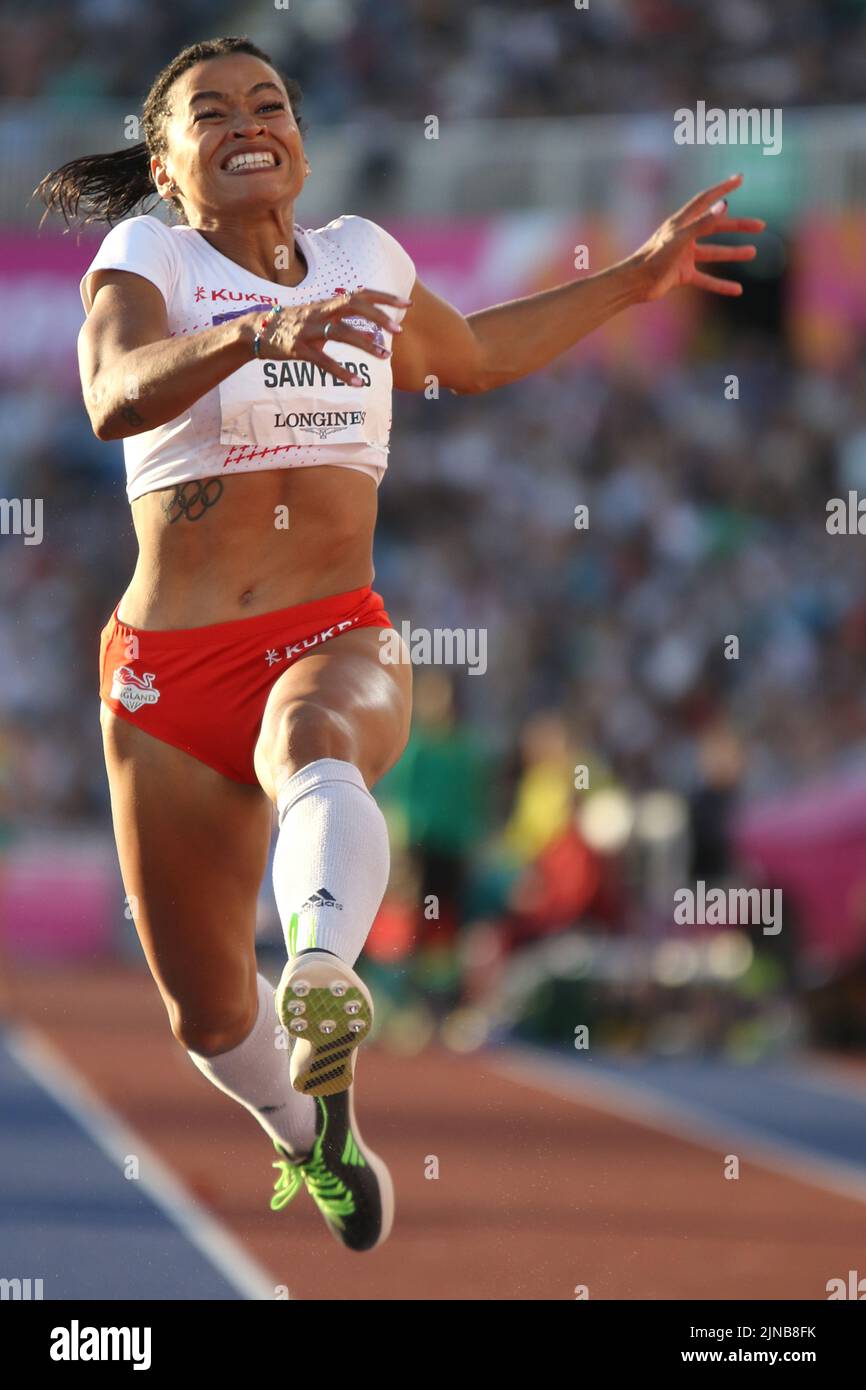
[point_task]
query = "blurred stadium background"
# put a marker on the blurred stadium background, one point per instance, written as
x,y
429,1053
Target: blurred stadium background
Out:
x,y
605,646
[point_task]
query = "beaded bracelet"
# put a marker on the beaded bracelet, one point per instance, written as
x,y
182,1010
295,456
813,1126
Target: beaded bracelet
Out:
x,y
271,314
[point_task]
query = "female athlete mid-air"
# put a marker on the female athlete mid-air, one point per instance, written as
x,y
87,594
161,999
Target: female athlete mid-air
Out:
x,y
247,364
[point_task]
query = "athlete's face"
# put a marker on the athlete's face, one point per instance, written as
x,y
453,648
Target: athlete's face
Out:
x,y
221,108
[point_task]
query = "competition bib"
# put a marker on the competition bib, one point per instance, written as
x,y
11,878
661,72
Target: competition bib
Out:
x,y
273,405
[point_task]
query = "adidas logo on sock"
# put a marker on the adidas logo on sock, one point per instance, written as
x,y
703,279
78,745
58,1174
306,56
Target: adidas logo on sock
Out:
x,y
321,899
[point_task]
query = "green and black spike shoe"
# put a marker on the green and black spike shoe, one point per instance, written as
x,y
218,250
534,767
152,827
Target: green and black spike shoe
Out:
x,y
350,1184
328,1011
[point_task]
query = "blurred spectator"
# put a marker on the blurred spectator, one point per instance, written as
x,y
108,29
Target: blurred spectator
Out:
x,y
441,790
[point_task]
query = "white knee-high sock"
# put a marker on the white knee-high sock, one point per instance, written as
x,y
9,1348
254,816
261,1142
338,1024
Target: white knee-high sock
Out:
x,y
256,1074
331,860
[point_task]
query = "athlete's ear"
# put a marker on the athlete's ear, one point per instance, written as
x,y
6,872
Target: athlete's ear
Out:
x,y
163,182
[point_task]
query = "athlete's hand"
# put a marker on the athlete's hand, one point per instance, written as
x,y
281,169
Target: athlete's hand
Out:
x,y
300,331
671,256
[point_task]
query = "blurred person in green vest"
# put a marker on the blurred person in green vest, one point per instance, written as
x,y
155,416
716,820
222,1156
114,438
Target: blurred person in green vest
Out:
x,y
438,799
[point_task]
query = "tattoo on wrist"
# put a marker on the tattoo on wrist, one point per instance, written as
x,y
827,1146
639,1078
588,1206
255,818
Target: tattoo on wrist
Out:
x,y
191,500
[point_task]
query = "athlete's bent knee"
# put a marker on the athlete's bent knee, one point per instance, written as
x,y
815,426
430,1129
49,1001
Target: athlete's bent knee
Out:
x,y
305,731
208,1036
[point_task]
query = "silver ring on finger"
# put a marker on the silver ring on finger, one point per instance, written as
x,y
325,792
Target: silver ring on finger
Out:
x,y
328,326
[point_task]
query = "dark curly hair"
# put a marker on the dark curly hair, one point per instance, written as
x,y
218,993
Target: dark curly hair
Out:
x,y
113,185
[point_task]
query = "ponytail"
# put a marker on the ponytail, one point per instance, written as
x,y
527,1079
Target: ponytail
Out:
x,y
109,185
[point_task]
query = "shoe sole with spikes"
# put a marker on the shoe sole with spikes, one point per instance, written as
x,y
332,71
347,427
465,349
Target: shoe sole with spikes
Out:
x,y
328,1011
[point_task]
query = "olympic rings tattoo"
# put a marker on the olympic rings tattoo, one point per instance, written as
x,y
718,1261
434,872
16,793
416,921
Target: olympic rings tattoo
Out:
x,y
192,499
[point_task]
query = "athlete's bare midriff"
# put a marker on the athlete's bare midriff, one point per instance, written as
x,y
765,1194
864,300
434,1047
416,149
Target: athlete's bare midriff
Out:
x,y
260,542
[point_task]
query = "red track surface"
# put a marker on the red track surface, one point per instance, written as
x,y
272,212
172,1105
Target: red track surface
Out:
x,y
535,1195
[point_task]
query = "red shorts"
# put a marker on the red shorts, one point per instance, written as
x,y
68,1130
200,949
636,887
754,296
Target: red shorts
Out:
x,y
204,689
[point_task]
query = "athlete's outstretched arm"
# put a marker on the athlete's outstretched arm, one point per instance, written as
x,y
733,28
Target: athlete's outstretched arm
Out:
x,y
496,346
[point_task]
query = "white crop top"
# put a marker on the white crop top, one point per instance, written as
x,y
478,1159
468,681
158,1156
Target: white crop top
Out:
x,y
289,414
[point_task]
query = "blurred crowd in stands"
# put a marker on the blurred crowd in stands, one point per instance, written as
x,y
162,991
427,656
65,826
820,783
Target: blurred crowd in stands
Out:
x,y
607,648
605,651
608,645
363,59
